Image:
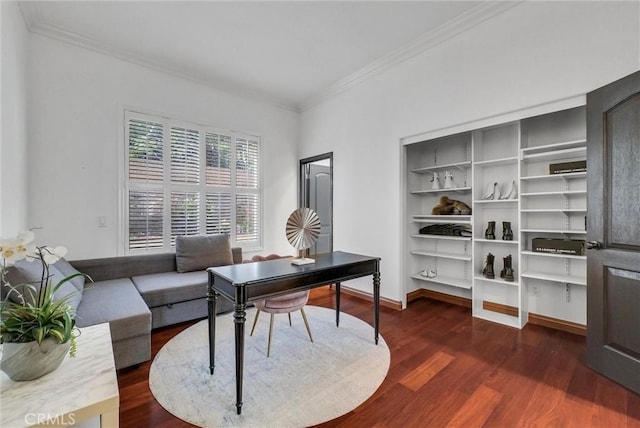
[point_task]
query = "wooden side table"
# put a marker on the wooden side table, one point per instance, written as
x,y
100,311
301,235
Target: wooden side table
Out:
x,y
81,389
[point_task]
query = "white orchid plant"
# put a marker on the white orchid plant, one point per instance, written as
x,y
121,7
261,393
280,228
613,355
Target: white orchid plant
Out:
x,y
33,313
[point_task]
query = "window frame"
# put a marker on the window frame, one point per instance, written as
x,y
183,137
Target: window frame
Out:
x,y
167,187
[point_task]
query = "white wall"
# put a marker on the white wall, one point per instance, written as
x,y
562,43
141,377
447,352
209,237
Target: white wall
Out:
x,y
75,120
13,146
532,54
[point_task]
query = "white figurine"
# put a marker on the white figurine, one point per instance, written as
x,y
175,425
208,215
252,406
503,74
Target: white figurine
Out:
x,y
448,181
436,181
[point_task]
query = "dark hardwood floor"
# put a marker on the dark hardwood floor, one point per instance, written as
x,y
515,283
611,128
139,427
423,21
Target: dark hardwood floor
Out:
x,y
448,369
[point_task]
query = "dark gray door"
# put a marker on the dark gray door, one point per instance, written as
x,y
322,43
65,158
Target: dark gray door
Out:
x,y
613,234
316,192
320,202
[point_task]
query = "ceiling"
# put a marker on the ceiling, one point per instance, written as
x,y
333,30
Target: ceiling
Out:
x,y
291,53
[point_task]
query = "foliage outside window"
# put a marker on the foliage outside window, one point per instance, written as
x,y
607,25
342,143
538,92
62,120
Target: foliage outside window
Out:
x,y
188,179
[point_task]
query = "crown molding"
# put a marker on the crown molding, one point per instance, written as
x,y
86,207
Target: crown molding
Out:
x,y
35,25
487,9
464,22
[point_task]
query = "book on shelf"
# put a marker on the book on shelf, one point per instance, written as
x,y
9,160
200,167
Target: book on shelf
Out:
x,y
568,167
558,246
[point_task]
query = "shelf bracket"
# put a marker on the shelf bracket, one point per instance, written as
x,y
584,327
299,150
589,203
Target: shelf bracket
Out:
x,y
567,292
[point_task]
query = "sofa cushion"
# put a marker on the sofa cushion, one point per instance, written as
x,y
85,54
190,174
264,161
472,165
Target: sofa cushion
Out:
x,y
194,253
30,272
67,270
160,289
117,302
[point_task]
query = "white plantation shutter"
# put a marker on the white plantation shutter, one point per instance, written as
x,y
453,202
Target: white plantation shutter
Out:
x,y
145,150
185,214
246,217
246,163
188,179
145,219
218,209
218,148
185,156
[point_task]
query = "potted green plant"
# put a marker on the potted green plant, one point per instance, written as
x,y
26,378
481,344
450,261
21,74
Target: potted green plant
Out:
x,y
37,325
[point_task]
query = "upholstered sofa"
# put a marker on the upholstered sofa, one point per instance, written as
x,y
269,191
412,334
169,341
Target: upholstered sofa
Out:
x,y
138,293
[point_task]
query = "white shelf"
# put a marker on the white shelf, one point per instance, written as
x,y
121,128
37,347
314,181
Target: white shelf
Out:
x,y
562,256
442,255
559,192
562,231
554,147
495,201
565,279
557,151
566,175
556,210
426,191
429,169
496,280
430,218
447,280
497,241
445,237
501,161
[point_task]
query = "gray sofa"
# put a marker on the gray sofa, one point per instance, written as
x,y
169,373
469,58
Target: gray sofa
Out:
x,y
136,294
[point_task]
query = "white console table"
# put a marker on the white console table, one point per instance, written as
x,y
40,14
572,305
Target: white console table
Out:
x,y
82,390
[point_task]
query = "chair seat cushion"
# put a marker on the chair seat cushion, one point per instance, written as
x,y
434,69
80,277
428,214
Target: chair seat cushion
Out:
x,y
283,304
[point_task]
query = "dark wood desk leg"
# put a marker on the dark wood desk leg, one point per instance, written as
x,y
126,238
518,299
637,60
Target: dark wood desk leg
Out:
x,y
338,304
239,318
376,301
212,298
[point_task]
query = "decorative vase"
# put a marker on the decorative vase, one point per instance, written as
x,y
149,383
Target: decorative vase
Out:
x,y
31,360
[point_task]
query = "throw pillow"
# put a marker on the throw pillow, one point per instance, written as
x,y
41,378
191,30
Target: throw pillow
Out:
x,y
200,252
26,272
66,269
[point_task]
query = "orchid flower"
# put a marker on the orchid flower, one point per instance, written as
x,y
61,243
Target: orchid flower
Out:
x,y
52,255
12,250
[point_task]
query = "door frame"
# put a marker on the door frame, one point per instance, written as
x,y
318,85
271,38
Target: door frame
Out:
x,y
303,190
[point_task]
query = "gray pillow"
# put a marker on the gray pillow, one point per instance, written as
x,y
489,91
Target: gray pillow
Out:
x,y
25,272
200,252
66,269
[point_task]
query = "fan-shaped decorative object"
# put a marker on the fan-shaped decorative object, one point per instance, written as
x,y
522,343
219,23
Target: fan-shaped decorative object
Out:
x,y
303,228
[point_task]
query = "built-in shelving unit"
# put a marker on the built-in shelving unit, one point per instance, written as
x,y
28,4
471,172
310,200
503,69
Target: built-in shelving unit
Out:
x,y
496,162
502,172
554,206
448,257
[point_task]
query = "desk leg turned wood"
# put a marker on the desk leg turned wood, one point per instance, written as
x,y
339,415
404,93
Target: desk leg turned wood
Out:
x,y
338,304
376,303
212,298
239,318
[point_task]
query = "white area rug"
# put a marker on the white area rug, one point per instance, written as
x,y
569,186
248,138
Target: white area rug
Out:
x,y
300,384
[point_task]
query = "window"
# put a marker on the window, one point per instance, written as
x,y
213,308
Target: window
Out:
x,y
188,179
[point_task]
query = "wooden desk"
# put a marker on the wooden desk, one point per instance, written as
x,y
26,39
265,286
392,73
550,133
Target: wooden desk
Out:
x,y
248,282
82,388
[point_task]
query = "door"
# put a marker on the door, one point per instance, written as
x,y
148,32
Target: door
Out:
x,y
316,193
613,233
